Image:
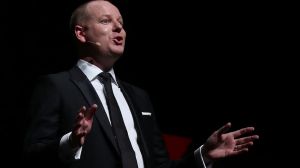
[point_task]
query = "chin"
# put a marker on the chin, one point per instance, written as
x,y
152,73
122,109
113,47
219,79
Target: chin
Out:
x,y
116,54
118,51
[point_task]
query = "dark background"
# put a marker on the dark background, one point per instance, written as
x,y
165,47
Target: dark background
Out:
x,y
218,63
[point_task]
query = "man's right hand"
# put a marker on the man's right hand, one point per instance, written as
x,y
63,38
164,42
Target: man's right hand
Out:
x,y
83,125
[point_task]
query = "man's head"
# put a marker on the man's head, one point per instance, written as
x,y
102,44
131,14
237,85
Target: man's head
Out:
x,y
98,28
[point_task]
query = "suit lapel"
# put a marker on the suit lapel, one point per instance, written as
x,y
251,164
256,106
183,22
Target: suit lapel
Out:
x,y
91,96
141,140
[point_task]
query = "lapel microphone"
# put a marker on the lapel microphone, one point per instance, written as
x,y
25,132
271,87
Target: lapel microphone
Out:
x,y
95,43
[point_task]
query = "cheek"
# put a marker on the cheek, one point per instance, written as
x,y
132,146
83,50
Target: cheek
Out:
x,y
105,30
104,33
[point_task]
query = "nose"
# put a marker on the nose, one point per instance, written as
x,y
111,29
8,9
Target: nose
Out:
x,y
117,26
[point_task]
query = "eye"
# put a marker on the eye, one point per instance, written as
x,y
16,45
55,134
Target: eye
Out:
x,y
121,22
105,21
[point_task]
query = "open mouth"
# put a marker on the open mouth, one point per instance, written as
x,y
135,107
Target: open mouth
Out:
x,y
118,40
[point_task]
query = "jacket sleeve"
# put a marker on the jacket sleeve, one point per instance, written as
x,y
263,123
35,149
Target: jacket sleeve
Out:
x,y
42,139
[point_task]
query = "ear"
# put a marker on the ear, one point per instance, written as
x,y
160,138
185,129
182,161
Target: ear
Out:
x,y
80,33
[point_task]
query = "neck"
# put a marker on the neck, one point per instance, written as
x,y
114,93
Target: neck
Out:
x,y
103,65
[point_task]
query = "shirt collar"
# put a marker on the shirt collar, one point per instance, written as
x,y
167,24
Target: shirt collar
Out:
x,y
91,71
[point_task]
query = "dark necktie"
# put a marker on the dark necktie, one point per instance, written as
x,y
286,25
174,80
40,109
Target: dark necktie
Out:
x,y
118,126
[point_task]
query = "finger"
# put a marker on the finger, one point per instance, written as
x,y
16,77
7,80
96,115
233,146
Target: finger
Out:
x,y
78,121
82,110
79,116
76,127
79,127
241,147
91,111
82,134
242,131
224,128
237,152
246,139
82,139
77,133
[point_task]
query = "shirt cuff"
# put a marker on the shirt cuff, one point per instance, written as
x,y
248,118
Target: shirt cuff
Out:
x,y
66,152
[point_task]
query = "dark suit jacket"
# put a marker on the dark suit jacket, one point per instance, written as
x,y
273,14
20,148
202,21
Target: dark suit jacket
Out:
x,y
55,103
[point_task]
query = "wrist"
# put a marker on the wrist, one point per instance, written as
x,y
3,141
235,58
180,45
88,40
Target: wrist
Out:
x,y
206,158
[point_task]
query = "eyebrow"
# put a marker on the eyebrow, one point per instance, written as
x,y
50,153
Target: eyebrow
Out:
x,y
107,15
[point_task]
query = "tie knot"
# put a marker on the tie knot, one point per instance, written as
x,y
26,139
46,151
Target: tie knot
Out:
x,y
105,76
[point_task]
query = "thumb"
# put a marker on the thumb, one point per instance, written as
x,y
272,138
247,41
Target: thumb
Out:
x,y
224,128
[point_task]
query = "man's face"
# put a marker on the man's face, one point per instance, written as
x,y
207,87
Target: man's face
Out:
x,y
105,26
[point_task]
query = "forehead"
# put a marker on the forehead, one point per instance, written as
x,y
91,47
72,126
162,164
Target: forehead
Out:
x,y
99,8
